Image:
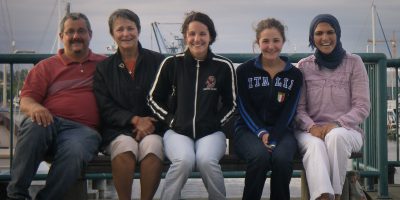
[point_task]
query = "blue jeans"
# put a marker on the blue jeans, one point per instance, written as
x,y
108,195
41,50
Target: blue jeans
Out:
x,y
70,146
259,161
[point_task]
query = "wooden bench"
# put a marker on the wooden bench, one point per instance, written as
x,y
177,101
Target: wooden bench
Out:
x,y
99,170
231,165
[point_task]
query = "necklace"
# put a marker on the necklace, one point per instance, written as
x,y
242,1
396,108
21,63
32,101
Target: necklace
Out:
x,y
130,66
129,63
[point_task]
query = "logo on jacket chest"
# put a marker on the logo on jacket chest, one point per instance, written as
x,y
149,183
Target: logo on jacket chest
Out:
x,y
264,81
210,83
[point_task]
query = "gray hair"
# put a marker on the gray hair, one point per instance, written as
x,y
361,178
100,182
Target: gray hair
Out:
x,y
125,14
75,16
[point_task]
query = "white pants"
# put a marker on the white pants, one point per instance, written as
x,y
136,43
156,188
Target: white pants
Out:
x,y
185,154
325,162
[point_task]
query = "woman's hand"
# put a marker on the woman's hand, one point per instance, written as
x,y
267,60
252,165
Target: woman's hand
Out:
x,y
317,131
321,131
143,126
328,127
265,140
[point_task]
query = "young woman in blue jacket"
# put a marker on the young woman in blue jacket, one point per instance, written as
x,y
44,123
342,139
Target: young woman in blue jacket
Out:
x,y
268,93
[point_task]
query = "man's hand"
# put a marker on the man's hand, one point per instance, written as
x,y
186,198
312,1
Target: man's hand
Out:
x,y
41,115
36,112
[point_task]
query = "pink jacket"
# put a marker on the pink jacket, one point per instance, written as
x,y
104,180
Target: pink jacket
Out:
x,y
333,95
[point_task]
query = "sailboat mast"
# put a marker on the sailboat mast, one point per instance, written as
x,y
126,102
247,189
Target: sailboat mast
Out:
x,y
373,27
61,14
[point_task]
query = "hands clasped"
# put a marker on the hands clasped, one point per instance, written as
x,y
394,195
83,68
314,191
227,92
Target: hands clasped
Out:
x,y
321,131
143,126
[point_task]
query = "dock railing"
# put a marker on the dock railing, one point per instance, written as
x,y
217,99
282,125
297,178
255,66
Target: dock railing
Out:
x,y
394,161
374,164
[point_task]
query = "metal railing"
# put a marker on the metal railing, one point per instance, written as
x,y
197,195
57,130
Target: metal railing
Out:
x,y
394,160
373,165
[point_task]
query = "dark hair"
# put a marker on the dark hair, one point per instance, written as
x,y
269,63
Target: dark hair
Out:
x,y
126,14
202,18
75,16
267,24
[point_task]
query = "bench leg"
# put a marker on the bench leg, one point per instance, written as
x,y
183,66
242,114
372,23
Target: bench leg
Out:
x,y
305,194
100,186
78,191
391,173
346,190
3,190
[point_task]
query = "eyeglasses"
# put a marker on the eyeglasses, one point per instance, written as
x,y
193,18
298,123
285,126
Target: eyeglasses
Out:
x,y
80,32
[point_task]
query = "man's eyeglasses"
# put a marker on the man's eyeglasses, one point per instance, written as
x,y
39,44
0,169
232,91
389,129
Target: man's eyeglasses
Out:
x,y
80,32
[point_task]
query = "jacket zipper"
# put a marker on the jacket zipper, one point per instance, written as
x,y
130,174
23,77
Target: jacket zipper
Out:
x,y
195,98
270,91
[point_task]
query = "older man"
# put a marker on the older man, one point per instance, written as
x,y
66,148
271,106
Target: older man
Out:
x,y
61,115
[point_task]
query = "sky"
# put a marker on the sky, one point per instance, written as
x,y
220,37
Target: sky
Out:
x,y
33,24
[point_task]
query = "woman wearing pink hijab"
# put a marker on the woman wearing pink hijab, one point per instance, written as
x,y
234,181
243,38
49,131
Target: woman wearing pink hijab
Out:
x,y
334,101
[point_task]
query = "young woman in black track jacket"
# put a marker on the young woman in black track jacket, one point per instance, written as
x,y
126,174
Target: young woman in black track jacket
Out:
x,y
199,85
205,89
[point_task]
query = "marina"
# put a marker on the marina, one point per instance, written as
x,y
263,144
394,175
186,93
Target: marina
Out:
x,y
375,156
378,166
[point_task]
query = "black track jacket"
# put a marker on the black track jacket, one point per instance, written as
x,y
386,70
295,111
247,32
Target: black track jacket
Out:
x,y
206,93
119,97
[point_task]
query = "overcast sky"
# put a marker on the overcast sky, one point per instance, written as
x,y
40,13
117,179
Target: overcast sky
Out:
x,y
32,24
